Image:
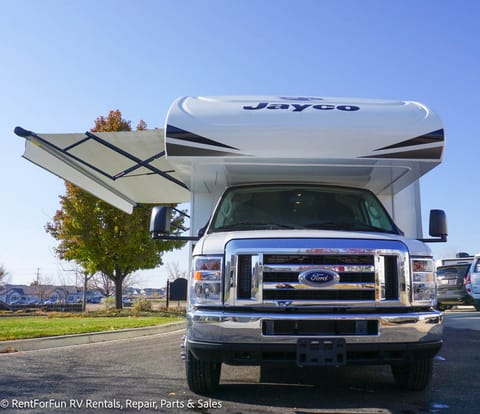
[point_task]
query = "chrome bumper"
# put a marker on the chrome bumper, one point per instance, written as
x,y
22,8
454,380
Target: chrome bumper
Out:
x,y
234,327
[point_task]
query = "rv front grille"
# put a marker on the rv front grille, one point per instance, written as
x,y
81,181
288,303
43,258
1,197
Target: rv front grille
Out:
x,y
359,275
281,277
358,278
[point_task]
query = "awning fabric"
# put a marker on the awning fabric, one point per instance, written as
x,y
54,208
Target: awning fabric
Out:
x,y
122,168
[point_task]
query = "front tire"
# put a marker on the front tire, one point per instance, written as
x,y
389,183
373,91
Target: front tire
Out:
x,y
414,375
203,377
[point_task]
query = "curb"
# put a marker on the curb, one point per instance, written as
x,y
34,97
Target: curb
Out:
x,y
87,338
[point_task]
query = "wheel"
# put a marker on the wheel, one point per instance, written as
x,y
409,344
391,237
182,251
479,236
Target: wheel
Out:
x,y
203,377
441,307
414,375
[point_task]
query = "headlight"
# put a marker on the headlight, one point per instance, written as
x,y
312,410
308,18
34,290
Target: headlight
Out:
x,y
424,282
206,287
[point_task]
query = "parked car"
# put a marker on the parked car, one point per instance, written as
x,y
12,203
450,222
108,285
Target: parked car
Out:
x,y
451,286
127,301
472,282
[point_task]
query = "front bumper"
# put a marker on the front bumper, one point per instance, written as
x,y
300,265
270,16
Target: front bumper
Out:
x,y
240,338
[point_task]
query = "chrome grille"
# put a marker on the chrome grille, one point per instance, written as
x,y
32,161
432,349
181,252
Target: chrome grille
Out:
x,y
357,277
266,272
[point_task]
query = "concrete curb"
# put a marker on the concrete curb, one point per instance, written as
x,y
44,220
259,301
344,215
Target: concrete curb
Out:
x,y
88,338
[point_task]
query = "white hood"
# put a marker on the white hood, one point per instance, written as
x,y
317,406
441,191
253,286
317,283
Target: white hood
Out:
x,y
214,243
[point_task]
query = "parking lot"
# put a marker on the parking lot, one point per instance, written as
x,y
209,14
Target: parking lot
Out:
x,y
146,374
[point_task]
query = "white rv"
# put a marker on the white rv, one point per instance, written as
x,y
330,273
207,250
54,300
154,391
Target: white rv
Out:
x,y
306,220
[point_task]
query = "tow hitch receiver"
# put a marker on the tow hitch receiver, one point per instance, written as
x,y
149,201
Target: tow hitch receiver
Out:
x,y
321,352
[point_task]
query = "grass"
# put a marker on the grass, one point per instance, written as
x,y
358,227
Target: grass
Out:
x,y
23,327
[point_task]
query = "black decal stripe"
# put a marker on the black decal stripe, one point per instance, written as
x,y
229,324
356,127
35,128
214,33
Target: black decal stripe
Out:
x,y
423,154
187,151
181,134
434,136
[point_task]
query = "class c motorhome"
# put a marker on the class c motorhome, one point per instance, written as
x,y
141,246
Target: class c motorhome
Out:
x,y
305,219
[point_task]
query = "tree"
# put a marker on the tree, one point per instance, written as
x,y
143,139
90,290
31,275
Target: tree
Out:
x,y
3,274
42,286
174,271
100,281
85,277
101,238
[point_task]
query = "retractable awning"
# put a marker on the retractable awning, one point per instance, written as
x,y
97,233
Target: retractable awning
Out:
x,y
122,168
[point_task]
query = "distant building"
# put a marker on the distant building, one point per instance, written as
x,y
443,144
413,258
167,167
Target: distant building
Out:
x,y
50,294
37,294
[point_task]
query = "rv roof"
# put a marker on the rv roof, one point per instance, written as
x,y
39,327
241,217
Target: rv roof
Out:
x,y
379,144
217,141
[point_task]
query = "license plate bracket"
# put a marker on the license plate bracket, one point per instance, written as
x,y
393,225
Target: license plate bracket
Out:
x,y
321,352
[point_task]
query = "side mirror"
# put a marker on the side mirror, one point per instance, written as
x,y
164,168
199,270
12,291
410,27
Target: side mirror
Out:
x,y
160,221
438,224
437,227
160,224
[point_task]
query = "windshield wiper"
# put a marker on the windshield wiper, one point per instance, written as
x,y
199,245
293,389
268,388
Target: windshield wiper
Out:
x,y
248,225
330,225
368,227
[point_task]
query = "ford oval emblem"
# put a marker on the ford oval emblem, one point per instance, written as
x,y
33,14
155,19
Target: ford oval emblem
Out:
x,y
319,277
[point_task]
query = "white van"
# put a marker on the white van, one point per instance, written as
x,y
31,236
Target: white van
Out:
x,y
472,282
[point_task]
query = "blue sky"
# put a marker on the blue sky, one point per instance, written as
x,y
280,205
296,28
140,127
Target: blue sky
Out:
x,y
64,63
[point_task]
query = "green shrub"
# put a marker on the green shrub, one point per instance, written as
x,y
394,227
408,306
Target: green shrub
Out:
x,y
109,302
142,305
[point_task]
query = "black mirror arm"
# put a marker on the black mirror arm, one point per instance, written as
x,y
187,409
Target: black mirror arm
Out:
x,y
441,239
180,212
161,236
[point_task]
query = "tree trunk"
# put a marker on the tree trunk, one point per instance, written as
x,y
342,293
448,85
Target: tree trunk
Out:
x,y
118,280
85,285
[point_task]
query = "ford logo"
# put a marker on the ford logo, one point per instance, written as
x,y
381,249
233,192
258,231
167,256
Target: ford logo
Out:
x,y
319,277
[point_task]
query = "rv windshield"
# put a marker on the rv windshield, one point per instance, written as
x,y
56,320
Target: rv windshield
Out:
x,y
262,207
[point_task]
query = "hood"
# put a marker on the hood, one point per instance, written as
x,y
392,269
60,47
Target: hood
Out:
x,y
215,243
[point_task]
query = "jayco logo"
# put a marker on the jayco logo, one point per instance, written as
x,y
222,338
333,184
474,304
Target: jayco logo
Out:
x,y
301,107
